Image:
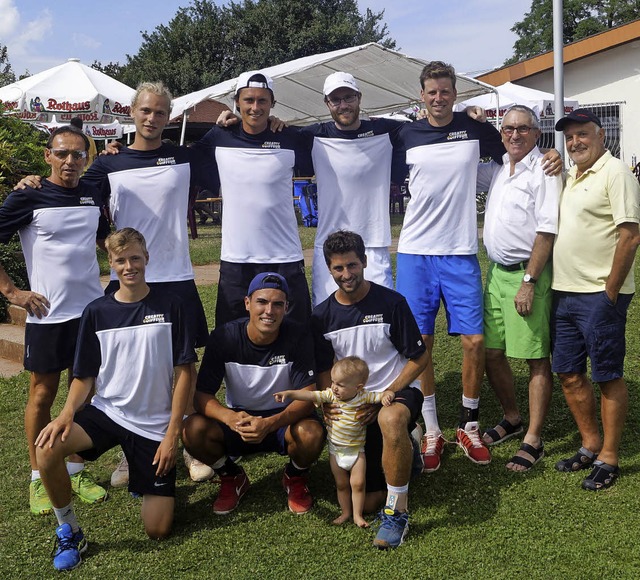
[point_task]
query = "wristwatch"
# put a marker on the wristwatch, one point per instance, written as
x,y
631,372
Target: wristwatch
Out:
x,y
529,279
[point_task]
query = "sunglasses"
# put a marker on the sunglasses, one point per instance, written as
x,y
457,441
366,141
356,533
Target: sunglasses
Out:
x,y
64,153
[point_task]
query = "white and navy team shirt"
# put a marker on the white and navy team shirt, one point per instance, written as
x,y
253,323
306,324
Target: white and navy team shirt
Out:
x,y
149,191
440,219
131,349
258,222
254,373
379,329
354,170
58,228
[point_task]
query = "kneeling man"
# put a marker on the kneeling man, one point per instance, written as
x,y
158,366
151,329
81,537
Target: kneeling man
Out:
x,y
129,343
257,357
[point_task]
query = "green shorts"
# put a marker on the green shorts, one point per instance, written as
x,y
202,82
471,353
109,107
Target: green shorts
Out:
x,y
504,329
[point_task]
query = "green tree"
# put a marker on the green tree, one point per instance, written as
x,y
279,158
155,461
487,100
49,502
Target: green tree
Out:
x,y
581,18
205,44
7,75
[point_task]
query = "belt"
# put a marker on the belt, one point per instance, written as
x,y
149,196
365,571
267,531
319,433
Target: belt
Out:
x,y
514,267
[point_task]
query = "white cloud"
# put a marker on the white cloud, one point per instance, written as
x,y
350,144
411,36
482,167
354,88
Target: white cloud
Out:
x,y
85,41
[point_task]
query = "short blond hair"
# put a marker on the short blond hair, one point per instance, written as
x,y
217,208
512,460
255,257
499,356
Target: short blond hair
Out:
x,y
119,241
353,367
155,88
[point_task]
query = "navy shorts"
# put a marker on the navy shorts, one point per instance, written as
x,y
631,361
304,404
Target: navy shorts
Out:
x,y
50,348
589,325
411,398
274,442
194,311
455,280
106,434
234,283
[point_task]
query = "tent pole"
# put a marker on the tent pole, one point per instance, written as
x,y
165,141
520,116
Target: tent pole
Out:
x,y
184,126
558,73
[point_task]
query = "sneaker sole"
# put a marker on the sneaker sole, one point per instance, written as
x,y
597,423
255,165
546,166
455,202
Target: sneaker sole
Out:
x,y
81,550
386,546
430,469
43,512
91,501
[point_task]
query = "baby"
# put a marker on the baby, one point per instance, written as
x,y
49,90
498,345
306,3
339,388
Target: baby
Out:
x,y
346,435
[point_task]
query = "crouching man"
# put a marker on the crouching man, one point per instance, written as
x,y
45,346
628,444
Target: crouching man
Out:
x,y
129,343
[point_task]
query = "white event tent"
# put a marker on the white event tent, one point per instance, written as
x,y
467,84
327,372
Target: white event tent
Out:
x,y
72,89
509,94
389,81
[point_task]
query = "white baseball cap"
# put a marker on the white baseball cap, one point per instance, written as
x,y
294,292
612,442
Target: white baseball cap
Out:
x,y
338,80
254,79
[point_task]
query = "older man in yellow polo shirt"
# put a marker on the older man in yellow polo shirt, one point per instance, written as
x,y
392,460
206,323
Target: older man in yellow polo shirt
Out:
x,y
593,285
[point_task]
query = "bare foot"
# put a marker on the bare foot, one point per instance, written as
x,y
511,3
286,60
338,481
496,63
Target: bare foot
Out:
x,y
341,519
360,522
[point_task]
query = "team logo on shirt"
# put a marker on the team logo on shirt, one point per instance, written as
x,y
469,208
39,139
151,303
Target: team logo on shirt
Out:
x,y
166,161
87,201
271,145
456,135
278,359
151,318
373,318
367,134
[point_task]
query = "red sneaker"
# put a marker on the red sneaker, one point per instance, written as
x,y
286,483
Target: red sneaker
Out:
x,y
474,448
298,495
432,446
232,488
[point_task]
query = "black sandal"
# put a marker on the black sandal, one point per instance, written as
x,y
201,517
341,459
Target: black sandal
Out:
x,y
530,456
583,459
602,476
501,432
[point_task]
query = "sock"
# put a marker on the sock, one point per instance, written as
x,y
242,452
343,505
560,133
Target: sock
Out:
x,y
397,498
35,474
73,468
294,470
469,413
430,415
66,515
224,466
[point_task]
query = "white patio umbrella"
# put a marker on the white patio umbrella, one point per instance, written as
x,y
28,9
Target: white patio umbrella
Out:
x,y
70,90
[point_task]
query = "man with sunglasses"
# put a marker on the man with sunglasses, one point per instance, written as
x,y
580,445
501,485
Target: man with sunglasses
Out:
x,y
59,225
519,229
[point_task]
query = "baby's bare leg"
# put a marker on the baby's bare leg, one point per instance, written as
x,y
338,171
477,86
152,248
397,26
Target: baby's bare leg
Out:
x,y
358,489
344,490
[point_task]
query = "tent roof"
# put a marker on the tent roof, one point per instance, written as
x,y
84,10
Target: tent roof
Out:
x,y
387,79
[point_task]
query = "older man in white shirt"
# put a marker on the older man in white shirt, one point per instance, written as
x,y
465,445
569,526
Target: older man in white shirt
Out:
x,y
520,226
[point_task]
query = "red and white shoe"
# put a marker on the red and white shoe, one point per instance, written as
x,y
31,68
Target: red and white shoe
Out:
x,y
232,488
432,447
474,448
299,497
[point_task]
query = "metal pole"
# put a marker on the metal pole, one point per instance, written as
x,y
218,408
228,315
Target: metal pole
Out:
x,y
185,114
558,72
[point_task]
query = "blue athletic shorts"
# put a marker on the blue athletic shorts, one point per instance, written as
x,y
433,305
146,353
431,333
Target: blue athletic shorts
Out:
x,y
589,325
456,280
50,348
411,398
106,434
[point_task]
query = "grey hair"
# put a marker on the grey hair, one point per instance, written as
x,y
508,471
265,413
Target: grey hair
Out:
x,y
535,123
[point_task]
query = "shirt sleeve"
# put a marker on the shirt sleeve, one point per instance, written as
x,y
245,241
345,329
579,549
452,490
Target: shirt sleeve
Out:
x,y
212,367
88,357
547,203
15,213
491,142
182,338
405,334
624,197
323,348
303,366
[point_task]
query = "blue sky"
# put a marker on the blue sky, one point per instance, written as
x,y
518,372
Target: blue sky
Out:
x,y
471,35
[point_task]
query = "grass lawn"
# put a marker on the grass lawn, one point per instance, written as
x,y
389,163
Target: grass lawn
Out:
x,y
466,521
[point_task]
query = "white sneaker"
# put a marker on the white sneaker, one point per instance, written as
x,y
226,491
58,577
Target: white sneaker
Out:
x,y
120,475
198,471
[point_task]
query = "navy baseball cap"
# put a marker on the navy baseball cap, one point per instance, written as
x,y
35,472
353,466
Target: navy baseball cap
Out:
x,y
578,116
268,280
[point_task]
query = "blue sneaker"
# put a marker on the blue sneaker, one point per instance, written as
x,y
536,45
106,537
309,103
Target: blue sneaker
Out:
x,y
393,528
68,548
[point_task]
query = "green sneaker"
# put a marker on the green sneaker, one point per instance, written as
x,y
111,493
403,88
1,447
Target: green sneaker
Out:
x,y
85,487
39,503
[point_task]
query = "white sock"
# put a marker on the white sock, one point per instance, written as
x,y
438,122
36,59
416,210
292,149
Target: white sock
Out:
x,y
397,497
35,474
220,463
73,467
470,403
66,515
430,415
